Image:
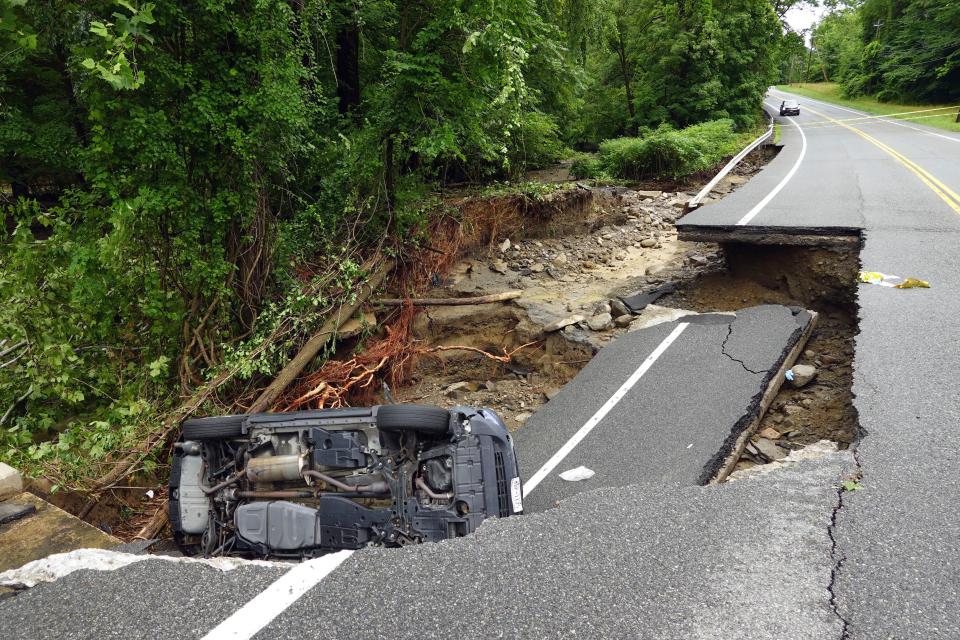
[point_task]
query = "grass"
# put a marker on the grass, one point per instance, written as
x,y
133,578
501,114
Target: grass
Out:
x,y
830,92
776,133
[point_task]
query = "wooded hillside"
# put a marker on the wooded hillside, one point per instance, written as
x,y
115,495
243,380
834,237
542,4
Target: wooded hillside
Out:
x,y
190,187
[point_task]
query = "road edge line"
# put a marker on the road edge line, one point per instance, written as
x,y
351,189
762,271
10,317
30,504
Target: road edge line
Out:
x,y
259,612
601,413
757,208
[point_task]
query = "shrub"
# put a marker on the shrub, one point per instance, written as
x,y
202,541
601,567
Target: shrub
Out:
x,y
587,165
538,142
668,152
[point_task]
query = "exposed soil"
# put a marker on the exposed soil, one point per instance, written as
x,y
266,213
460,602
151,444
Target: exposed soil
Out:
x,y
820,279
575,264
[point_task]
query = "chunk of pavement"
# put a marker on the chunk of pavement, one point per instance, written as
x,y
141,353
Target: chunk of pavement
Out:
x,y
556,325
10,481
577,474
10,511
623,321
521,418
803,374
638,301
600,322
617,308
648,194
655,314
769,449
464,386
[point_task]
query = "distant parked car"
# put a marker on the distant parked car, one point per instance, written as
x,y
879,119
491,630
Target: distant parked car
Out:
x,y
789,108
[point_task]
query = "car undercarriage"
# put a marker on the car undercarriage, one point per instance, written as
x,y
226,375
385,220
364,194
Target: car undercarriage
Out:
x,y
300,484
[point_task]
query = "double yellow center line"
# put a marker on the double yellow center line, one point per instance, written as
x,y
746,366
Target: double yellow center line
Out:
x,y
946,194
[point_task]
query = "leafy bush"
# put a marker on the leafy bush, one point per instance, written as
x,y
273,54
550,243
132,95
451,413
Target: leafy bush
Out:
x,y
587,165
669,152
538,142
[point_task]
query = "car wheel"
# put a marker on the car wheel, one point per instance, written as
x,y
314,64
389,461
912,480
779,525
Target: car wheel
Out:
x,y
413,417
213,428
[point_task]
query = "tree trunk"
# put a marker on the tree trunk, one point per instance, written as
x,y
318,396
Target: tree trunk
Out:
x,y
348,65
389,172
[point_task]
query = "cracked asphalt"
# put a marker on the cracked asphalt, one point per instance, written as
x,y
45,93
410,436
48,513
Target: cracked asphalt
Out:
x,y
641,550
897,535
678,423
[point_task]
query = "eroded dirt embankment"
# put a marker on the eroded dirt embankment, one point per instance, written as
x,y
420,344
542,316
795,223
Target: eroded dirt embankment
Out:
x,y
572,272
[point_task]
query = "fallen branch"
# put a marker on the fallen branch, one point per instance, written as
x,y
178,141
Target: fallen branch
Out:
x,y
449,302
6,415
310,350
124,466
154,525
13,348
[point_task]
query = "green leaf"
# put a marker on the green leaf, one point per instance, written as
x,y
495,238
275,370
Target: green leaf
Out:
x,y
851,485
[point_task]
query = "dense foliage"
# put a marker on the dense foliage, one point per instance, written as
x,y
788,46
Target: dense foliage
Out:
x,y
896,50
181,180
664,152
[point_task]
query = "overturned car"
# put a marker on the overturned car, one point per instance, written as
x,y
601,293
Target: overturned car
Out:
x,y
296,485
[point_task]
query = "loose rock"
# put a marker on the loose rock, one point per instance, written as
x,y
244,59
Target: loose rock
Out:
x,y
803,374
600,322
617,308
769,449
499,266
770,434
556,325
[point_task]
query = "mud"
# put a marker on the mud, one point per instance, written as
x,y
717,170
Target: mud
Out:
x,y
820,279
572,252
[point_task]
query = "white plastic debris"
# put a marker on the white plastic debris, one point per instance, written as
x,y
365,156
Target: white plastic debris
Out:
x,y
150,494
578,474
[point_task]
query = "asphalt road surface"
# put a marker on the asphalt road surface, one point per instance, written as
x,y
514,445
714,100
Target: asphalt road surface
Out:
x,y
679,421
651,553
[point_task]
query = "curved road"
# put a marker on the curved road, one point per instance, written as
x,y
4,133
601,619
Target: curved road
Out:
x,y
787,555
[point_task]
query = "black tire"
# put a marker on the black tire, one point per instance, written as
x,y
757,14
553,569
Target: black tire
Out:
x,y
413,417
213,428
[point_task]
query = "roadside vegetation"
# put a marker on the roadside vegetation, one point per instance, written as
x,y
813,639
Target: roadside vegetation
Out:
x,y
883,56
666,151
942,116
190,188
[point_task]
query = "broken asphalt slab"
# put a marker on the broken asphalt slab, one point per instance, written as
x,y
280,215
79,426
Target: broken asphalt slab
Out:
x,y
151,598
679,422
646,561
641,562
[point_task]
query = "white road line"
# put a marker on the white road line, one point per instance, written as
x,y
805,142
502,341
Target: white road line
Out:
x,y
880,118
249,619
750,215
595,419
